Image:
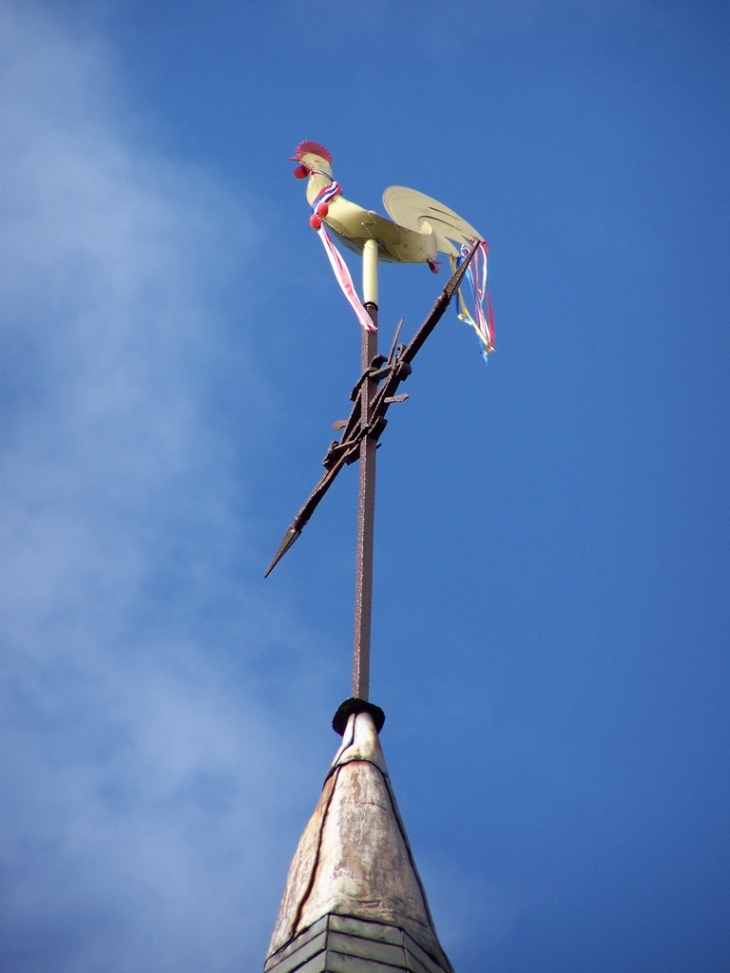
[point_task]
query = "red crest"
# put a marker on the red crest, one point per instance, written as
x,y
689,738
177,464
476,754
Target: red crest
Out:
x,y
314,148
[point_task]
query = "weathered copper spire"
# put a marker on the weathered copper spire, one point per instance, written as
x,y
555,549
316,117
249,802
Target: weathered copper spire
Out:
x,y
354,900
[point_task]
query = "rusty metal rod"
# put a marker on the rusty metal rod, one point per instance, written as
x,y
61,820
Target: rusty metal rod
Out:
x,y
365,527
366,501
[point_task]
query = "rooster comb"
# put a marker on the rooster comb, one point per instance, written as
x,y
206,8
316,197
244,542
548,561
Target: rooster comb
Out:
x,y
315,149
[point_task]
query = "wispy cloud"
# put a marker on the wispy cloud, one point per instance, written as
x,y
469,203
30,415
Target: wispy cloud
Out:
x,y
137,761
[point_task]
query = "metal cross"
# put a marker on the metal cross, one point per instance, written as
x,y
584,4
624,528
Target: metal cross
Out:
x,y
372,396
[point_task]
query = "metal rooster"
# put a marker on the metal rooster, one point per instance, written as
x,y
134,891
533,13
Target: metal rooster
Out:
x,y
420,226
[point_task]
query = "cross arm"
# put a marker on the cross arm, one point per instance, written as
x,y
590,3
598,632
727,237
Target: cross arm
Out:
x,y
391,372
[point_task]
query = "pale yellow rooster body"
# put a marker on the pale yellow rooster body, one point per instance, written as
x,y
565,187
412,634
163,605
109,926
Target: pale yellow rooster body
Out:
x,y
420,226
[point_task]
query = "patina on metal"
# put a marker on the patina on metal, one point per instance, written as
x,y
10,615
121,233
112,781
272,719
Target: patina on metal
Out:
x,y
354,899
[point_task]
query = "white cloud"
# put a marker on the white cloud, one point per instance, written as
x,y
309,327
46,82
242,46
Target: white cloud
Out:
x,y
141,797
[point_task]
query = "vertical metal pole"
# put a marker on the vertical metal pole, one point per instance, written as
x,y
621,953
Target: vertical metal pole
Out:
x,y
366,508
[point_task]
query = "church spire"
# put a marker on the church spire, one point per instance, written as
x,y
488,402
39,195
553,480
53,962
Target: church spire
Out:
x,y
354,902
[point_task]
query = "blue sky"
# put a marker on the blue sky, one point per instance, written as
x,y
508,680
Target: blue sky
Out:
x,y
551,595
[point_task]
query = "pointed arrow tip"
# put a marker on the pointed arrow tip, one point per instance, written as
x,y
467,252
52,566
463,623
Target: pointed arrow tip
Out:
x,y
289,537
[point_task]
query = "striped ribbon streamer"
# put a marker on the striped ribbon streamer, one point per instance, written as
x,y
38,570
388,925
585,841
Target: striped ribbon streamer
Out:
x,y
482,318
341,271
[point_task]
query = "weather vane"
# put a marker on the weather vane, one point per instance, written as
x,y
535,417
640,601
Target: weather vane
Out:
x,y
420,228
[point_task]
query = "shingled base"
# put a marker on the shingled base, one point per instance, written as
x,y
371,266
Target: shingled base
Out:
x,y
344,944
